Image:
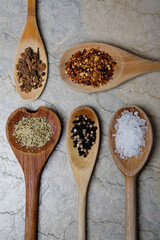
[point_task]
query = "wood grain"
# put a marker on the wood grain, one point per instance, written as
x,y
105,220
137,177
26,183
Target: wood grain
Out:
x,y
82,167
130,168
31,38
127,67
32,163
131,209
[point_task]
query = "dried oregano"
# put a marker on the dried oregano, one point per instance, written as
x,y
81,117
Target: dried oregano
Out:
x,y
33,132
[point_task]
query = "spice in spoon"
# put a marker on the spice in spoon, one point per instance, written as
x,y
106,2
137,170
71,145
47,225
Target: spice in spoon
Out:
x,y
32,132
90,67
130,134
30,70
84,134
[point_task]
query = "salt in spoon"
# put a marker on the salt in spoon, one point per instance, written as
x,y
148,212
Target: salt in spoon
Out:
x,y
130,168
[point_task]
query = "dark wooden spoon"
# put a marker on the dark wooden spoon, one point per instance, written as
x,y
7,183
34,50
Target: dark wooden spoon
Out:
x,y
127,67
32,163
130,168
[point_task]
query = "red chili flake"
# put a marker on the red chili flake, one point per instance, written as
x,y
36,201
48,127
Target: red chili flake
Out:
x,y
90,67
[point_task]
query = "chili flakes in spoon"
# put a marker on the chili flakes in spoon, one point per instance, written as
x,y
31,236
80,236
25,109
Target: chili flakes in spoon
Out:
x,y
90,67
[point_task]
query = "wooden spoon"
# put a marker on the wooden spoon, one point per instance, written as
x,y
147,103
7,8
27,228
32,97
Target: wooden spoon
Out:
x,y
130,168
32,163
82,167
31,38
128,66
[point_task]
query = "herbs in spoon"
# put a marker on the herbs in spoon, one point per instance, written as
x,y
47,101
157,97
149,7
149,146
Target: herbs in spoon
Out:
x,y
33,132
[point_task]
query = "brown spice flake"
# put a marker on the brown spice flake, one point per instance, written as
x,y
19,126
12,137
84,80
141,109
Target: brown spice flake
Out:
x,y
30,70
90,67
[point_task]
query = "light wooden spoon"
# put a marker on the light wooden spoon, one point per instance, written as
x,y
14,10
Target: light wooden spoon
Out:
x,y
128,66
130,168
32,163
82,167
31,38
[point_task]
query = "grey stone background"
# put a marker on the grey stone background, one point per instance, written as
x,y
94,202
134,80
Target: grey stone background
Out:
x,y
130,24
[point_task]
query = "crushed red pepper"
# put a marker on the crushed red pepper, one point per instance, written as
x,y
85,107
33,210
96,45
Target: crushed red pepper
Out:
x,y
90,67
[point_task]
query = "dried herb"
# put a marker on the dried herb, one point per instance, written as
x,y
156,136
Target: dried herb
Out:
x,y
84,134
30,70
90,67
33,132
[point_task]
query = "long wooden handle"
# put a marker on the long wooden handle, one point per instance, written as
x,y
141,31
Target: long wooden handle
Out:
x,y
134,66
82,216
131,226
31,8
154,66
32,193
143,66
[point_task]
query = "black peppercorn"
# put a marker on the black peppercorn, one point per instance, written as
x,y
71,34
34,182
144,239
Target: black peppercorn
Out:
x,y
84,134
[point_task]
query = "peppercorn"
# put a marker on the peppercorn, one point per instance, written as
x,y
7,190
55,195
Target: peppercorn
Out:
x,y
84,134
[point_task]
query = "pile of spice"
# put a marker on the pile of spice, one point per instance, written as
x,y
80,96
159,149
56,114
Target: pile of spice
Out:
x,y
90,67
33,132
30,70
130,134
84,134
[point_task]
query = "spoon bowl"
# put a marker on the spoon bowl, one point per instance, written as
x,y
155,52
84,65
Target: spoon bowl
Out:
x,y
32,161
31,38
75,159
82,167
130,167
127,67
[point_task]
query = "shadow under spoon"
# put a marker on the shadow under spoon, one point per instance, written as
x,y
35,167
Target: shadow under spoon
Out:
x,y
130,168
31,38
32,163
82,167
128,66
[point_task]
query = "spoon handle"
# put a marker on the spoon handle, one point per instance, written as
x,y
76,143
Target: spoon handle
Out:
x,y
82,216
136,66
131,226
142,66
31,8
32,193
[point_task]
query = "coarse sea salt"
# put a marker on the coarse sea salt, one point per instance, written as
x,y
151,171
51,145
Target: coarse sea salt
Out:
x,y
130,134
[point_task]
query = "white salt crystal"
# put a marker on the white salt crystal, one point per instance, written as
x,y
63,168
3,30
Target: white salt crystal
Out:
x,y
130,134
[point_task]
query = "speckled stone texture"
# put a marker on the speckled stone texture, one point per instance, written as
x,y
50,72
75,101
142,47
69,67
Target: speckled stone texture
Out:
x,y
130,24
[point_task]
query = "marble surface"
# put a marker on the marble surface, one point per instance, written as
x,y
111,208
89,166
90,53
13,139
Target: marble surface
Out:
x,y
130,24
